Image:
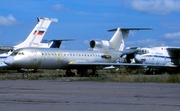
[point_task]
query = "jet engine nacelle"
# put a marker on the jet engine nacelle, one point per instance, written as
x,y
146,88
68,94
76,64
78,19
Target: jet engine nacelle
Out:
x,y
98,44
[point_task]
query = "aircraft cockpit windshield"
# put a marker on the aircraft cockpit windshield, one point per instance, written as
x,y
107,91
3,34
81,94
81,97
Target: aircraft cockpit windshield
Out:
x,y
143,51
17,53
20,53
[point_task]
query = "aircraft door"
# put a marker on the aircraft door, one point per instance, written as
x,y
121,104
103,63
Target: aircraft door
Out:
x,y
60,56
61,60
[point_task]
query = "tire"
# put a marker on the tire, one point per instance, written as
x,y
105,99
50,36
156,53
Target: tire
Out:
x,y
25,75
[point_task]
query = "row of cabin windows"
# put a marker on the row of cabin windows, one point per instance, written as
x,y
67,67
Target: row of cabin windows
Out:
x,y
71,55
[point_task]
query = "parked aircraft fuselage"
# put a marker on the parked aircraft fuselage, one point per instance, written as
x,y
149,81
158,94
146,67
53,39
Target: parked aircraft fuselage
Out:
x,y
42,58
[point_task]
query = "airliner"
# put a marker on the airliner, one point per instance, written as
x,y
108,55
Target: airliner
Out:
x,y
159,58
101,53
33,40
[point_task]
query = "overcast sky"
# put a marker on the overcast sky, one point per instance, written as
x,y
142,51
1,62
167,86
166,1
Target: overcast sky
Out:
x,y
84,20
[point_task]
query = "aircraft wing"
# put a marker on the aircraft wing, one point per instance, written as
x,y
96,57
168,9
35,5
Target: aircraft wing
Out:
x,y
176,49
116,65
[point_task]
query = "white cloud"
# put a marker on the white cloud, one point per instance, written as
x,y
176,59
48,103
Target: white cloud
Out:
x,y
7,21
171,25
59,8
172,35
156,6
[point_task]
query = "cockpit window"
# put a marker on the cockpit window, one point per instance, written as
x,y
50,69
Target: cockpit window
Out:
x,y
17,53
14,53
20,53
143,51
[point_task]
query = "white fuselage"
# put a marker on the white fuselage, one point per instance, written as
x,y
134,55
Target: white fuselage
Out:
x,y
156,56
44,58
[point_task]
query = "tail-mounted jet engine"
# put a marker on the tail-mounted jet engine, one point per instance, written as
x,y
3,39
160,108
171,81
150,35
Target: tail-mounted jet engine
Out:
x,y
99,44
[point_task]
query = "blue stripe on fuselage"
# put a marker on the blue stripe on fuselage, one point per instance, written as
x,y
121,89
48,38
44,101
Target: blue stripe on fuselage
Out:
x,y
3,57
158,56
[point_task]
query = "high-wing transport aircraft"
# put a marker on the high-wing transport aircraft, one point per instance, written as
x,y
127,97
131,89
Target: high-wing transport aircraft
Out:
x,y
33,40
102,53
156,59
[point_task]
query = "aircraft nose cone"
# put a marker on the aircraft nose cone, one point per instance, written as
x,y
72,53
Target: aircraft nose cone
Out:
x,y
137,58
9,61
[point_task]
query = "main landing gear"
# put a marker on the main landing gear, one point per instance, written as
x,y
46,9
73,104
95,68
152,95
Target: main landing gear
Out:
x,y
81,73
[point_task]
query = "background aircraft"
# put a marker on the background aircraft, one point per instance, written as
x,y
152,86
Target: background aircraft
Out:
x,y
101,53
33,40
155,59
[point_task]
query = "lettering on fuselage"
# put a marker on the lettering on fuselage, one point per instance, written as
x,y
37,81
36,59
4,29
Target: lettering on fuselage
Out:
x,y
158,53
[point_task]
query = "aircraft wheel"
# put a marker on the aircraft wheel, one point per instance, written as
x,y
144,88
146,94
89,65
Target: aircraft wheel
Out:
x,y
25,75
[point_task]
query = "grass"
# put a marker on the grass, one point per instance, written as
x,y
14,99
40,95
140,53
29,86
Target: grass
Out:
x,y
123,75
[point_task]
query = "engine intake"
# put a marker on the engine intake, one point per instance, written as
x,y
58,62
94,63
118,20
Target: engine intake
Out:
x,y
99,44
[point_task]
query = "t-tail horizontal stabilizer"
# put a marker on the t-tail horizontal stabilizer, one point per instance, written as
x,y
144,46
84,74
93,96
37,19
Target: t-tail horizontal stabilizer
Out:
x,y
57,43
117,42
112,30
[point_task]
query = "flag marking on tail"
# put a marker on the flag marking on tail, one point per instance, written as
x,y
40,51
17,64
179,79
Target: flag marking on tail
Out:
x,y
38,33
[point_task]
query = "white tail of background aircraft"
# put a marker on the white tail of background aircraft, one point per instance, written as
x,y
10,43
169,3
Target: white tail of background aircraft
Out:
x,y
117,42
33,40
37,34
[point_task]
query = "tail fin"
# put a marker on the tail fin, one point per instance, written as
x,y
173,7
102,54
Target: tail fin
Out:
x,y
117,42
37,33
